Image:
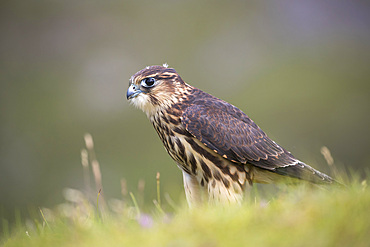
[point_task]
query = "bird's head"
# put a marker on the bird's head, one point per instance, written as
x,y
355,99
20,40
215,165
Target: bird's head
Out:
x,y
155,88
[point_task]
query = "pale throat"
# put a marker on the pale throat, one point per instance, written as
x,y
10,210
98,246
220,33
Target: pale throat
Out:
x,y
143,102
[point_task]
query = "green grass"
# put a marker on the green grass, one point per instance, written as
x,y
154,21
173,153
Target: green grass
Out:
x,y
292,216
299,215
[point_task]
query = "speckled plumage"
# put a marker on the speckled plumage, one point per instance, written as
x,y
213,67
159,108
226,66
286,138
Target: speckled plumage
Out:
x,y
218,147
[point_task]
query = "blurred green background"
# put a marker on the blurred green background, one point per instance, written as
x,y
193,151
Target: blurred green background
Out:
x,y
299,69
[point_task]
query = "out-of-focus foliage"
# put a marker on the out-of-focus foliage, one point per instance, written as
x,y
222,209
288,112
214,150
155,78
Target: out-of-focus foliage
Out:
x,y
298,216
300,69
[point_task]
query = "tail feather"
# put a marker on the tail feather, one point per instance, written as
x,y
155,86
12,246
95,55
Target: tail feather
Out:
x,y
305,172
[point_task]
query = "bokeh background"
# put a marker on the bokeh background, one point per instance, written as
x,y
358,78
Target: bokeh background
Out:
x,y
300,69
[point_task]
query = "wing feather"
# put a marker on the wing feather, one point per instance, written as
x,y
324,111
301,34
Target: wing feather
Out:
x,y
231,133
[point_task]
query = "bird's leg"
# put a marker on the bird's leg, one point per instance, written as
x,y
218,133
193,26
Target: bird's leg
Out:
x,y
192,189
219,193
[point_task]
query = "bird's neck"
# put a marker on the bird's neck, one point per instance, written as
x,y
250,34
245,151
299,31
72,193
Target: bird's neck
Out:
x,y
165,104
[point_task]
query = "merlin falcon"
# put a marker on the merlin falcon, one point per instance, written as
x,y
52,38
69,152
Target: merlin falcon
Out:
x,y
219,149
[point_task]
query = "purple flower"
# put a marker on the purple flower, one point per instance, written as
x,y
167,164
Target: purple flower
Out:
x,y
145,221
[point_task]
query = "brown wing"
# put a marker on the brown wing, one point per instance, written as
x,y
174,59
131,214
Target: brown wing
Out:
x,y
231,133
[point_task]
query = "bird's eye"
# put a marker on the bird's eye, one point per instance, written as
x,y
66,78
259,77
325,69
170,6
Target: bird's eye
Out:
x,y
148,82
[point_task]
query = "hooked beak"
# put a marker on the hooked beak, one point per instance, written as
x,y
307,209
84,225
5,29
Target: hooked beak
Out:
x,y
132,91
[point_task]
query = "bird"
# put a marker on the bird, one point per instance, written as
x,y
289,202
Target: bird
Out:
x,y
219,149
